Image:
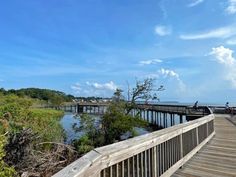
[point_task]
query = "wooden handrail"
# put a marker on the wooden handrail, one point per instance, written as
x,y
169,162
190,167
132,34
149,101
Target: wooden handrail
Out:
x,y
155,154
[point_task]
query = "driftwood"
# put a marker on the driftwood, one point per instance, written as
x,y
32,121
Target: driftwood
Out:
x,y
30,159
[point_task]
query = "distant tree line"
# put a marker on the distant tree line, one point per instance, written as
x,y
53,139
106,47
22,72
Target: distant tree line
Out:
x,y
52,97
49,96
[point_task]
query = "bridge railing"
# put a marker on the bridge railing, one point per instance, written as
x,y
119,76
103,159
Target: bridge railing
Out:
x,y
178,109
155,154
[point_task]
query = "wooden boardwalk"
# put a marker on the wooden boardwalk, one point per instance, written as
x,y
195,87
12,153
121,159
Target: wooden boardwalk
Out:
x,y
218,157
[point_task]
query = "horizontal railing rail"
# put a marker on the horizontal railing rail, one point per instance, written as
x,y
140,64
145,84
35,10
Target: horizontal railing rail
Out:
x,y
155,154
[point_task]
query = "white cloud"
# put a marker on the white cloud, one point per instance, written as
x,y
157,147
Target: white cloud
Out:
x,y
94,89
180,85
106,86
77,88
163,30
150,62
195,2
231,9
231,41
223,32
168,73
224,56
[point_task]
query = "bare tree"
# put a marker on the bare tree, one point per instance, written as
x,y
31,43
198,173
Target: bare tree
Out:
x,y
144,90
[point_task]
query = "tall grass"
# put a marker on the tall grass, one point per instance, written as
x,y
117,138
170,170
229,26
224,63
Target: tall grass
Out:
x,y
46,123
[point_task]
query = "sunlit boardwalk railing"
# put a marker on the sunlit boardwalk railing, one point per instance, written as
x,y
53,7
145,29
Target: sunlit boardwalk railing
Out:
x,y
155,154
218,157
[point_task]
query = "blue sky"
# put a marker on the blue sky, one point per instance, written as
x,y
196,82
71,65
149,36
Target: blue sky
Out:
x,y
92,47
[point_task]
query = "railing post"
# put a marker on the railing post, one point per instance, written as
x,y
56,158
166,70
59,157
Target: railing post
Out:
x,y
207,129
154,161
197,135
181,146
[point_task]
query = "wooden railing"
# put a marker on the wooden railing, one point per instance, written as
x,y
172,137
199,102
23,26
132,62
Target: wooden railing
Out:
x,y
155,154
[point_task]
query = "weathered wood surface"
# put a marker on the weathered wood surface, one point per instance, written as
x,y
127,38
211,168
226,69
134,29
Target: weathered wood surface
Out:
x,y
218,157
105,157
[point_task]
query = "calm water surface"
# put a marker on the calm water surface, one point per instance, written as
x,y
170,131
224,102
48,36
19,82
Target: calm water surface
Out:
x,y
69,121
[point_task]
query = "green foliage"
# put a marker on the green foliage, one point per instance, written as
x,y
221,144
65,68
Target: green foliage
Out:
x,y
49,96
15,114
46,123
84,145
93,136
87,124
5,170
12,111
116,122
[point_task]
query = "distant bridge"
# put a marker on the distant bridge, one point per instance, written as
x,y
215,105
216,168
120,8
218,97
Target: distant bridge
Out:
x,y
163,115
163,152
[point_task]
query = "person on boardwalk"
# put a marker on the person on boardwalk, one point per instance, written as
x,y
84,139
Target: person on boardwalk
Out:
x,y
227,105
195,106
227,108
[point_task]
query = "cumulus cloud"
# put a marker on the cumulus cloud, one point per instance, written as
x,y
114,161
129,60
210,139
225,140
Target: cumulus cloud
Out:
x,y
162,30
231,9
223,32
169,78
195,3
168,73
179,84
106,86
150,62
224,56
95,88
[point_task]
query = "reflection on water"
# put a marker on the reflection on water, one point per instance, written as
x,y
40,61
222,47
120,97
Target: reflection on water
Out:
x,y
68,122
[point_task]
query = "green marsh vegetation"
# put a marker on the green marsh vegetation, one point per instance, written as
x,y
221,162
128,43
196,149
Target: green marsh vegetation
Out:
x,y
33,137
27,132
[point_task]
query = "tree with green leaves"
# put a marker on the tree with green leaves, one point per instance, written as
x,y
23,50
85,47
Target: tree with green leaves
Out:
x,y
117,120
92,135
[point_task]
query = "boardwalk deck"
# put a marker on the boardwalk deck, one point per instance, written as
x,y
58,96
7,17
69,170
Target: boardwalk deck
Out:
x,y
218,157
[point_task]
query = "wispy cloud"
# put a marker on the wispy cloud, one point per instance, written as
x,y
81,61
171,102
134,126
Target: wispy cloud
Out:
x,y
224,56
76,87
231,41
231,9
162,30
195,3
223,32
149,62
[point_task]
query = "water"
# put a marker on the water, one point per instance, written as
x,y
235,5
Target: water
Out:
x,y
68,121
71,123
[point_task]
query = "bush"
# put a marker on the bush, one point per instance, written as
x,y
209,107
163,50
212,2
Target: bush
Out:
x,y
5,170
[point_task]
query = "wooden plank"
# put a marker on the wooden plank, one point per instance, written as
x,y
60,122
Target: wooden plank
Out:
x,y
112,154
79,166
218,157
181,162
